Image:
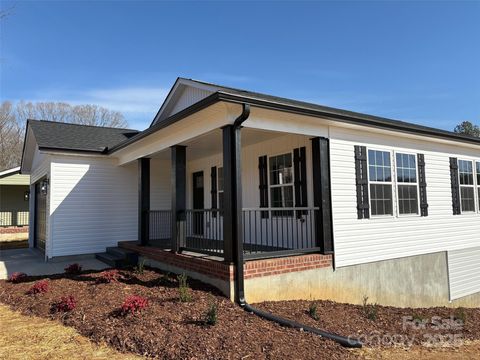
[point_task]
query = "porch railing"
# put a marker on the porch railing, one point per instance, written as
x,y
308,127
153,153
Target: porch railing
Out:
x,y
267,232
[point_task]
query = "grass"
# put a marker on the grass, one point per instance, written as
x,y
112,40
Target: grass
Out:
x,y
28,337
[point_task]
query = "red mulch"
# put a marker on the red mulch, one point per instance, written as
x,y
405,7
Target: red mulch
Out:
x,y
167,328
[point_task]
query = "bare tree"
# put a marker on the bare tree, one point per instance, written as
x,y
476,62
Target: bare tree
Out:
x,y
13,118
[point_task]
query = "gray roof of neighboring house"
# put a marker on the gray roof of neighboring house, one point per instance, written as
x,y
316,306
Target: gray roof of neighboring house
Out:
x,y
74,137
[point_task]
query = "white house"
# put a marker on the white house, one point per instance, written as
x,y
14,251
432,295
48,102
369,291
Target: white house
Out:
x,y
315,202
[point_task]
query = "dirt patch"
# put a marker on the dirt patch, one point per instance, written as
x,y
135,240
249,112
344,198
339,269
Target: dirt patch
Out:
x,y
28,337
167,328
383,326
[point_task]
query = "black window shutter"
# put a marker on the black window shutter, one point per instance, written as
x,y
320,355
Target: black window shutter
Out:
x,y
263,184
422,180
213,176
455,186
361,169
300,181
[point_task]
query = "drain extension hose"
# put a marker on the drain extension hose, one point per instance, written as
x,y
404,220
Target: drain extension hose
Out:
x,y
238,255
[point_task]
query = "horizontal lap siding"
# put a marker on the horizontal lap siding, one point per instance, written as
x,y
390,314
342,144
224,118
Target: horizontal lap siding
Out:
x,y
463,273
362,241
160,184
93,205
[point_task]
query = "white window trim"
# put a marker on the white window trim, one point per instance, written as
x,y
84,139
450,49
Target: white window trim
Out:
x,y
398,183
475,195
476,174
292,184
386,216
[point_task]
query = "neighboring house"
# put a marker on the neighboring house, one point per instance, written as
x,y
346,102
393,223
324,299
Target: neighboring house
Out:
x,y
14,195
324,203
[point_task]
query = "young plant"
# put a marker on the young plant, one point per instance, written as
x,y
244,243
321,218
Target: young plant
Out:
x,y
370,311
17,277
108,276
140,267
40,287
211,316
312,310
133,304
460,314
183,289
66,304
73,269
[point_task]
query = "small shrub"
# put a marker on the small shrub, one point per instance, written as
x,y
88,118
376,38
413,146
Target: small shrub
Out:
x,y
17,277
312,310
66,304
139,269
460,314
108,276
183,289
73,269
211,316
134,303
370,311
39,287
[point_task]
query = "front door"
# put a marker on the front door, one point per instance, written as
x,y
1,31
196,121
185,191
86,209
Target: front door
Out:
x,y
40,223
198,203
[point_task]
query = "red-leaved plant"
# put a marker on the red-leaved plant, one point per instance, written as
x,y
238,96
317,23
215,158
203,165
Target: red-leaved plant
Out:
x,y
39,287
73,269
108,276
66,303
17,277
134,303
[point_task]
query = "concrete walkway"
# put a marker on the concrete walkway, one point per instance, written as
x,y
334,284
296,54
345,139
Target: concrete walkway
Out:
x,y
32,262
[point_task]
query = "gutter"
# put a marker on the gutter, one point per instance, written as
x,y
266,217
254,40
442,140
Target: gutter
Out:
x,y
239,260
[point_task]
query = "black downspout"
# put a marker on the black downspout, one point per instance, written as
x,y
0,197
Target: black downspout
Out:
x,y
238,246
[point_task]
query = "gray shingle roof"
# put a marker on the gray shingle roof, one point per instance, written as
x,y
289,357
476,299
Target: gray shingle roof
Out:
x,y
64,136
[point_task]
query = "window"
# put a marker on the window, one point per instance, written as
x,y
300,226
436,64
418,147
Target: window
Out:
x,y
478,183
380,180
467,185
407,183
281,182
220,189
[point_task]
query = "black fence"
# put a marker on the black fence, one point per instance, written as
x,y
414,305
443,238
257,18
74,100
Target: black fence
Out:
x,y
267,232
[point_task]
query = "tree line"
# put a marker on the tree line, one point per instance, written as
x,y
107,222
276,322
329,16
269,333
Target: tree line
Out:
x,y
13,118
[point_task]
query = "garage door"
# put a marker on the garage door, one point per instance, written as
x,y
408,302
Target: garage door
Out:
x,y
40,217
463,274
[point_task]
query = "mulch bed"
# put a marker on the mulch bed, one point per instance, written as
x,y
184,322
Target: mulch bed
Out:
x,y
167,328
171,329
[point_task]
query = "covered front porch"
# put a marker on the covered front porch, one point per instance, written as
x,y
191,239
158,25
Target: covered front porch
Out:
x,y
269,189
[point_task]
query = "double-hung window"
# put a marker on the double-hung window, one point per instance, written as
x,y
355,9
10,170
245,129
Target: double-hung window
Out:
x,y
380,180
220,189
467,185
281,183
407,183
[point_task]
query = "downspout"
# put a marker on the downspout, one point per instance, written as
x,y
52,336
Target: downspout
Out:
x,y
238,254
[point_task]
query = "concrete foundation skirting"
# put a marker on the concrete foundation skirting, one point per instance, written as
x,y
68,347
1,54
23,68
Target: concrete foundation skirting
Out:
x,y
417,281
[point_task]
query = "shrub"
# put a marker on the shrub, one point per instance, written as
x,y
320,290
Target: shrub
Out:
x,y
211,316
17,277
140,267
370,311
460,314
183,289
134,303
66,304
312,310
39,287
108,276
73,269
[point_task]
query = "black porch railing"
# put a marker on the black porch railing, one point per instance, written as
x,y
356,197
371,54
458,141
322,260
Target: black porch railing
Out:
x,y
13,218
267,232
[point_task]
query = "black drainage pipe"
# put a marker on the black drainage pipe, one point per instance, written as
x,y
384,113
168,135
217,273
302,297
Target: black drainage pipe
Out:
x,y
238,258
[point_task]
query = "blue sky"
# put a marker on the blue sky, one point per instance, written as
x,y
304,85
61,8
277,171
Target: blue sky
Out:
x,y
413,61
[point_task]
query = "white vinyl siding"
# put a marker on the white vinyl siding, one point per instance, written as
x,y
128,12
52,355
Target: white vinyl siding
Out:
x,y
463,274
93,204
382,238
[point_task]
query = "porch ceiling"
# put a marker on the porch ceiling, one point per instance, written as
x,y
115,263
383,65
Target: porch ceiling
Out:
x,y
211,143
